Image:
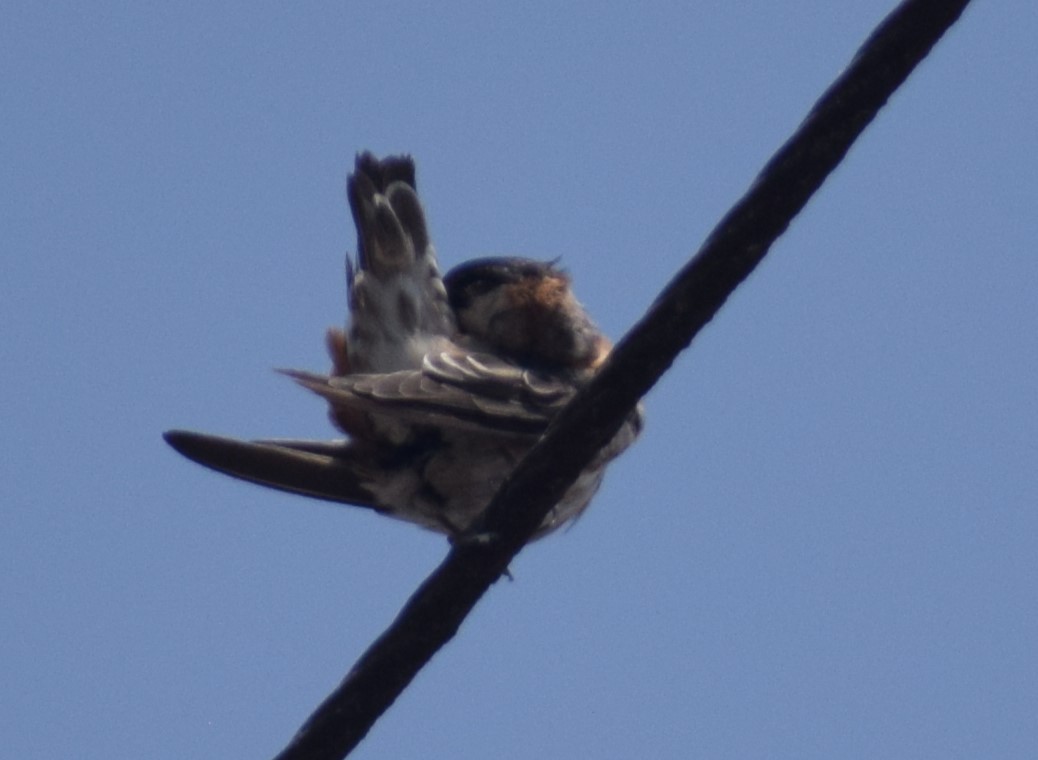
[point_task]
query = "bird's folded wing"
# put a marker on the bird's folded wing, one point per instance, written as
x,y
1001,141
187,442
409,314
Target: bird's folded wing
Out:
x,y
456,390
329,471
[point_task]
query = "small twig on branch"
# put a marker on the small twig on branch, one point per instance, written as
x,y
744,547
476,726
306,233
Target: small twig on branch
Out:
x,y
432,615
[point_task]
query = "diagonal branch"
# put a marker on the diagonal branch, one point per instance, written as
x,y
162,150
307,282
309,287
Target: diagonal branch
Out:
x,y
434,613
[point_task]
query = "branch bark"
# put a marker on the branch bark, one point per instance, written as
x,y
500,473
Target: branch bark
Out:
x,y
735,247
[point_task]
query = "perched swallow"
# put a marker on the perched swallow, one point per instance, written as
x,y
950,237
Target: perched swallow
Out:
x,y
441,384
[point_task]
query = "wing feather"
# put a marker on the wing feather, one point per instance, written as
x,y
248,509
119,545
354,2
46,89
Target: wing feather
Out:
x,y
333,471
454,390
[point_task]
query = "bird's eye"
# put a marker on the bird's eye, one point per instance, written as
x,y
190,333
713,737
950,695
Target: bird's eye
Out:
x,y
469,281
461,295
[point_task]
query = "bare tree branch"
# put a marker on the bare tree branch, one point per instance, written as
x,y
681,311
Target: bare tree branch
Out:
x,y
434,613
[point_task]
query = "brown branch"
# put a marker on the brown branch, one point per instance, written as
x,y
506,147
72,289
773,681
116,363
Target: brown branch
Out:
x,y
432,615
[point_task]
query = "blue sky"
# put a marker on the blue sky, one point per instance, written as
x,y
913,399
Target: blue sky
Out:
x,y
823,545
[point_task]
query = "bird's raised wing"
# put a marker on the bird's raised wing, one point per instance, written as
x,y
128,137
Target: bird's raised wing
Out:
x,y
398,303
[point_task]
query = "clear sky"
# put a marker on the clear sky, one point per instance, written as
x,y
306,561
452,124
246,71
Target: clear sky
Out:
x,y
824,545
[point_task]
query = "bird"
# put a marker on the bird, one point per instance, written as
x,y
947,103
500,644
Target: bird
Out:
x,y
441,384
